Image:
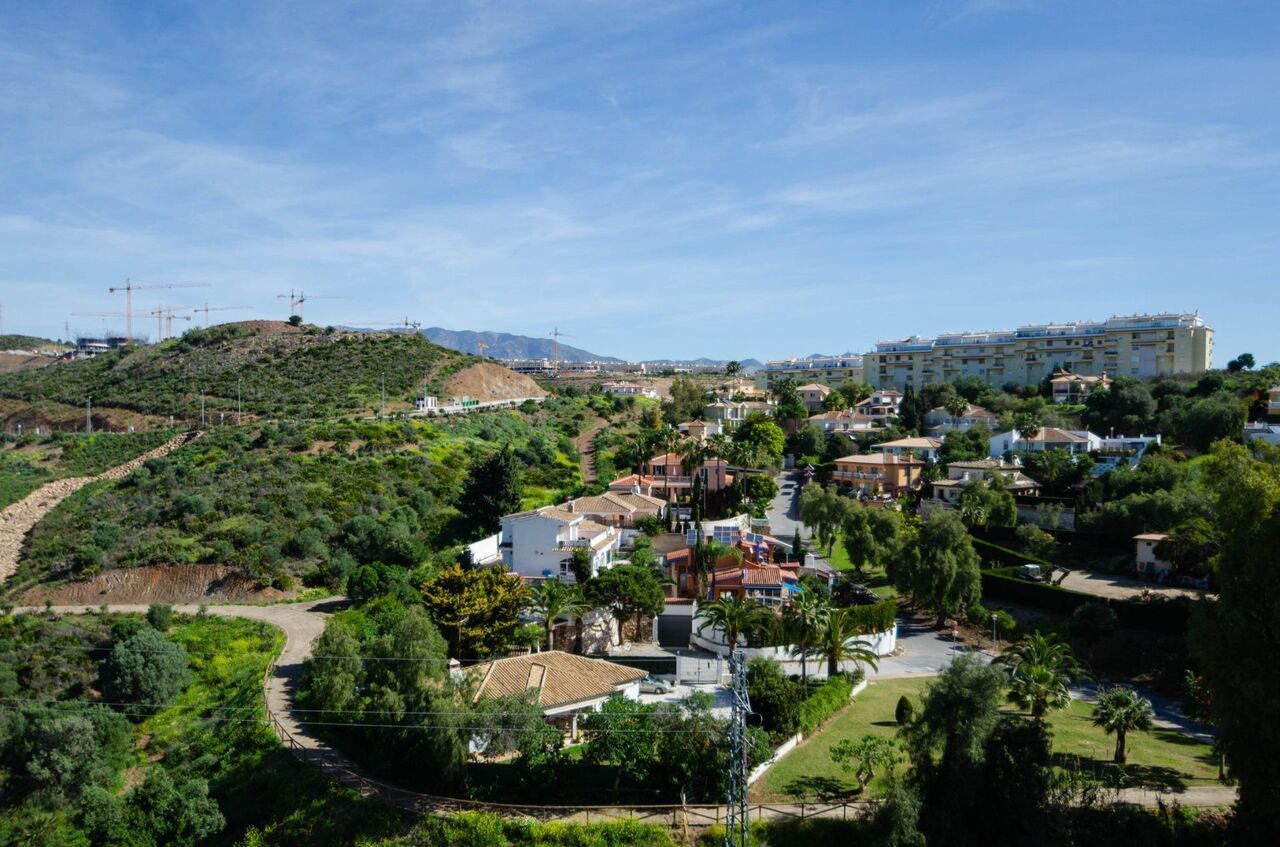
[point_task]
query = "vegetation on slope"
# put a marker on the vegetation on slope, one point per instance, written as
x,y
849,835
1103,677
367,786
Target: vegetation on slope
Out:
x,y
279,371
304,500
27,462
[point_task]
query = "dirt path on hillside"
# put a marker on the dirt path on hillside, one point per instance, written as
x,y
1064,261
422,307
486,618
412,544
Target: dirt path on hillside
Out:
x,y
19,518
585,445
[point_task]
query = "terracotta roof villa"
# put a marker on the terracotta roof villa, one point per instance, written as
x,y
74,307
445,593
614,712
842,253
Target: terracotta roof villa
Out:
x,y
565,682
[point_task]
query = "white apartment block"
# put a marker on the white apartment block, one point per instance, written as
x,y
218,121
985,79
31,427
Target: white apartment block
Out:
x,y
1136,345
828,370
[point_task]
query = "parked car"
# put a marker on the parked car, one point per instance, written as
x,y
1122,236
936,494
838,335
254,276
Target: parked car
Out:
x,y
654,685
1031,572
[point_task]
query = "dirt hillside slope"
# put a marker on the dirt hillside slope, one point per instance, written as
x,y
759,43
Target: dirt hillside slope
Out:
x,y
488,381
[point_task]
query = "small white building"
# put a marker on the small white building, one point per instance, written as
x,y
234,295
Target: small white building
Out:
x,y
1145,560
1048,438
427,403
628,389
938,422
540,544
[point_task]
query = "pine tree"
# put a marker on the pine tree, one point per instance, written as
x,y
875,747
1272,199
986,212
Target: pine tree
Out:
x,y
493,490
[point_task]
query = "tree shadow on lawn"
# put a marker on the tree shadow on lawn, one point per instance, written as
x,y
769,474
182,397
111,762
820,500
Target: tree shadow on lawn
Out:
x,y
1123,776
885,723
819,788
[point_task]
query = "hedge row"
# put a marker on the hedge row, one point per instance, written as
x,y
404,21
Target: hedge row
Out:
x,y
825,702
877,617
1161,616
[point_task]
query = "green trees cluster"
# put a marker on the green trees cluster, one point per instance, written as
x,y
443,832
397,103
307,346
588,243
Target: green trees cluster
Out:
x,y
383,669
938,566
146,671
676,749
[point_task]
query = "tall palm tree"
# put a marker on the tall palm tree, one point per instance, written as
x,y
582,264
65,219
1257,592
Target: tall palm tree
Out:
x,y
1041,667
734,616
1122,710
553,600
956,406
804,619
833,644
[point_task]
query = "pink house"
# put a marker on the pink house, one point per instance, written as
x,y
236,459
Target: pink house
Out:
x,y
664,477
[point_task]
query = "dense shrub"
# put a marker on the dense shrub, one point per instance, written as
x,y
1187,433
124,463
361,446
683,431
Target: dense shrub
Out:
x,y
774,697
831,697
144,673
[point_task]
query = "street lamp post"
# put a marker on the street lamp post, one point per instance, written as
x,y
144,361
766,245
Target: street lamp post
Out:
x,y
995,634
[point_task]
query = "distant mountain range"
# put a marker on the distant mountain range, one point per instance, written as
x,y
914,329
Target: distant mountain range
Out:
x,y
504,345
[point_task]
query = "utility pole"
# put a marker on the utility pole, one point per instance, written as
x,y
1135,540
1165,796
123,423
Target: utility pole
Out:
x,y
202,408
238,379
383,408
88,415
737,825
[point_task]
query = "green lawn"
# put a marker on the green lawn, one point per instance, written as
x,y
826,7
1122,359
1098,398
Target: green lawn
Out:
x,y
877,580
1158,759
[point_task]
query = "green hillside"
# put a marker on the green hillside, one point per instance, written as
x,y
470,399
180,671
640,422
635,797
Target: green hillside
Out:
x,y
27,342
280,370
29,461
303,501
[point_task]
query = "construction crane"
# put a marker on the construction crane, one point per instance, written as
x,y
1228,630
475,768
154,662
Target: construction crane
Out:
x,y
206,308
128,288
405,325
165,314
298,300
556,335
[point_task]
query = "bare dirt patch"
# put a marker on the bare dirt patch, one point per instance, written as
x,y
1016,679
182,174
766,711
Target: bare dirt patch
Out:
x,y
10,362
1120,588
156,584
60,417
488,381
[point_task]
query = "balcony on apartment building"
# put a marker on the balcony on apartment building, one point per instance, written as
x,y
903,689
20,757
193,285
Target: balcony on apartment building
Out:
x,y
857,476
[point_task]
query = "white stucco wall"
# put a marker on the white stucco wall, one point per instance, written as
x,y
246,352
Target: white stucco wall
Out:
x,y
881,643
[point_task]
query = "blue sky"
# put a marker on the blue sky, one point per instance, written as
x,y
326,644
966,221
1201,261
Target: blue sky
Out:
x,y
660,179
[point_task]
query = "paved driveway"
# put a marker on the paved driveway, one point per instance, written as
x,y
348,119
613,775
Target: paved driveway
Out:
x,y
784,511
923,651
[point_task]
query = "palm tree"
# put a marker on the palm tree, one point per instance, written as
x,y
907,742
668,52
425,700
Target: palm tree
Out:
x,y
1122,710
1038,688
956,406
734,616
1041,667
835,642
804,619
553,600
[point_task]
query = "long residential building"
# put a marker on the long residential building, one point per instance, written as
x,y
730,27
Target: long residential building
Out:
x,y
834,371
1136,345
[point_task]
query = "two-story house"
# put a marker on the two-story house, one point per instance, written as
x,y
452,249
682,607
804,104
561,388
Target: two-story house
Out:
x,y
665,478
884,403
845,422
938,422
813,395
1076,388
878,473
916,448
960,474
540,544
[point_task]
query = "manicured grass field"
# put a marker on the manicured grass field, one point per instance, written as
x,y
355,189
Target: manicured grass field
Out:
x,y
1161,758
877,580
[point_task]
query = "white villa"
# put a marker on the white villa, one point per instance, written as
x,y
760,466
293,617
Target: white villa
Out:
x,y
540,544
